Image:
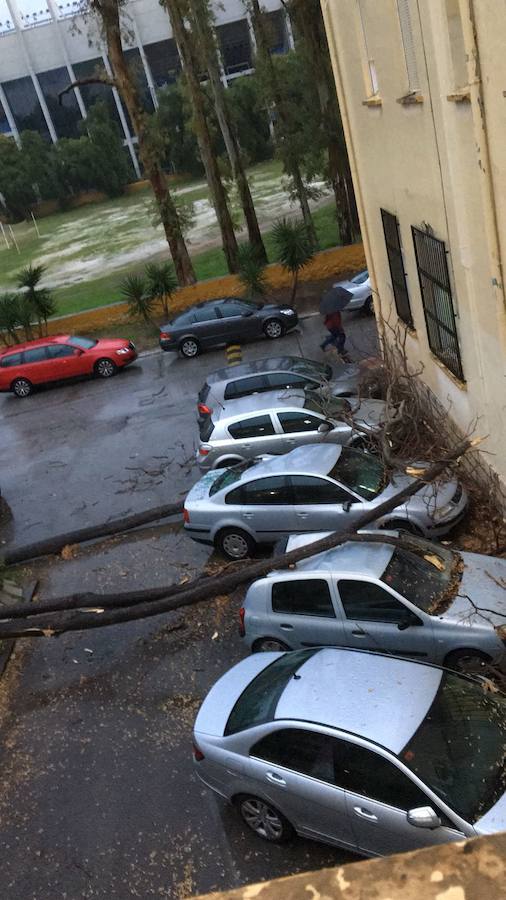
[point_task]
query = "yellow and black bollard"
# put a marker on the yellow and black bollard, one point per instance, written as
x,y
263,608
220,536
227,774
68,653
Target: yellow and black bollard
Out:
x,y
234,354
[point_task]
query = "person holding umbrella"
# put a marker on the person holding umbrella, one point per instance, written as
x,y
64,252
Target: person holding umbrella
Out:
x,y
331,304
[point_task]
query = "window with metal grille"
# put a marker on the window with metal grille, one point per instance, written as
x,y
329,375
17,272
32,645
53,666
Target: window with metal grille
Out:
x,y
372,86
396,263
437,300
408,41
235,46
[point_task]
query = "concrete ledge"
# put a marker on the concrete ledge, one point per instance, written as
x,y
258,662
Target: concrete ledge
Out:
x,y
467,870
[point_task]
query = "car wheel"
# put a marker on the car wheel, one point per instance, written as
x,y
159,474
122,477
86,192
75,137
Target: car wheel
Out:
x,y
105,368
189,348
264,820
402,525
466,660
235,544
368,307
273,329
22,388
269,645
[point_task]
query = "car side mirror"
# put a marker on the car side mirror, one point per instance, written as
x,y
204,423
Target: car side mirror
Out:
x,y
248,313
409,622
324,428
347,505
424,817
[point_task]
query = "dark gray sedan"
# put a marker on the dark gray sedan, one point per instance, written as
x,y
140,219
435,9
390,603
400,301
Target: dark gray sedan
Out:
x,y
223,321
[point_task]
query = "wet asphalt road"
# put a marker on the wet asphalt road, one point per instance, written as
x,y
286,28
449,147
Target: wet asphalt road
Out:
x,y
98,796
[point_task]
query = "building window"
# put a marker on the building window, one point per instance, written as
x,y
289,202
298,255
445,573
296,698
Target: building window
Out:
x,y
92,92
396,263
408,41
135,65
235,46
437,300
163,60
372,86
65,115
276,31
25,106
5,128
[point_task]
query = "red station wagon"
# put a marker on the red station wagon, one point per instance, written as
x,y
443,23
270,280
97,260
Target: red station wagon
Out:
x,y
60,357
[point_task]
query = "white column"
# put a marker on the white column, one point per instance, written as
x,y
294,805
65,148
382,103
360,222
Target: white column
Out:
x,y
61,40
9,116
13,12
145,63
289,31
121,114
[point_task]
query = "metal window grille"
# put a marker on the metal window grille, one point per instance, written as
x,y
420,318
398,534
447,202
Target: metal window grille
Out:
x,y
396,263
409,43
437,300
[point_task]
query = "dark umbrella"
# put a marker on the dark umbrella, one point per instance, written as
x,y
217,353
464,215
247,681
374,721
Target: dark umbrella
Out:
x,y
334,300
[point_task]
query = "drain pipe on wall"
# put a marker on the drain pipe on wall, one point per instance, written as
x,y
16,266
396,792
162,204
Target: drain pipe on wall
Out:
x,y
470,31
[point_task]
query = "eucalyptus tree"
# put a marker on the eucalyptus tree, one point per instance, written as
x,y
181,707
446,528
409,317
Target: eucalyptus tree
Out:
x,y
203,26
193,62
107,14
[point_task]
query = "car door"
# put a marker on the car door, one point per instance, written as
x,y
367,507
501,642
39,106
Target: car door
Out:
x,y
37,367
299,427
322,505
294,769
207,325
67,361
376,619
255,435
379,794
267,507
302,612
237,320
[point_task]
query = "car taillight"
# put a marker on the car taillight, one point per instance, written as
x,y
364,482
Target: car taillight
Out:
x,y
204,451
197,753
186,515
204,410
242,629
165,336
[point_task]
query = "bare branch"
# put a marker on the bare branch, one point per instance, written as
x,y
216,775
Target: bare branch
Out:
x,y
92,79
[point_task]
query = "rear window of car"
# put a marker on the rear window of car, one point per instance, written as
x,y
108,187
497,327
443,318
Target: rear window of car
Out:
x,y
245,386
14,359
206,429
204,392
259,426
38,354
257,703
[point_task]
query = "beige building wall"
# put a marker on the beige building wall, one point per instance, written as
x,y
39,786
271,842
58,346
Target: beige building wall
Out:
x,y
422,89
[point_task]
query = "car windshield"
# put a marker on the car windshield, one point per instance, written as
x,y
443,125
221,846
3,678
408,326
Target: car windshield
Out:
x,y
459,749
426,575
335,407
230,476
257,703
314,369
84,343
360,278
360,472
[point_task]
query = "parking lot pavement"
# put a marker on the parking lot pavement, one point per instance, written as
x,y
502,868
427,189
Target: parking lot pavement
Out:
x,y
99,798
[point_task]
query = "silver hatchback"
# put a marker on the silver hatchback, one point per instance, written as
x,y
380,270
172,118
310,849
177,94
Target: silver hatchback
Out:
x,y
372,753
278,421
419,600
319,487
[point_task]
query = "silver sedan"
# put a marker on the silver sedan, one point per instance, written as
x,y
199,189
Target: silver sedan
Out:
x,y
420,600
319,487
372,753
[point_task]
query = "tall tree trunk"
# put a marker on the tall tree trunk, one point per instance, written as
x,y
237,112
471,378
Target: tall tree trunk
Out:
x,y
282,126
108,11
202,20
176,10
308,18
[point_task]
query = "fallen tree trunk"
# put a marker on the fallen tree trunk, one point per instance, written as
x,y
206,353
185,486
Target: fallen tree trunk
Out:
x,y
90,533
204,588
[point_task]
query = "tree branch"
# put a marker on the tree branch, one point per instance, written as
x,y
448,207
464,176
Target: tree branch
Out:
x,y
91,79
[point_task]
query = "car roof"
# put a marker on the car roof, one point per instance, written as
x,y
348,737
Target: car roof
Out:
x,y
265,402
39,342
311,459
381,698
269,364
364,559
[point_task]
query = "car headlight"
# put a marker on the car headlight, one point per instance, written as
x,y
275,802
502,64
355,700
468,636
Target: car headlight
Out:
x,y
443,511
122,351
287,312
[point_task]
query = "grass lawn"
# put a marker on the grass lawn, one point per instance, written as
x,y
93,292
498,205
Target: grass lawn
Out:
x,y
89,250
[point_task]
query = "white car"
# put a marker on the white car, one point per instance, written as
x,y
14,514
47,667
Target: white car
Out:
x,y
360,287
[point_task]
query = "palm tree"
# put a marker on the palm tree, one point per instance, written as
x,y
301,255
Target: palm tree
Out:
x,y
294,248
161,282
140,303
9,319
39,299
252,271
